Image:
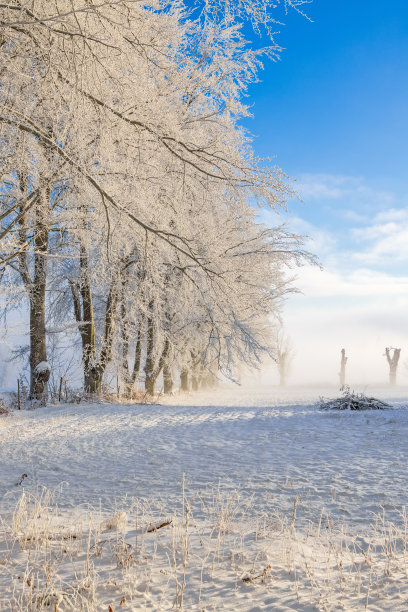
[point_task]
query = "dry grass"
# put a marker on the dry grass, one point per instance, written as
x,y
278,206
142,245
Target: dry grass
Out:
x,y
210,549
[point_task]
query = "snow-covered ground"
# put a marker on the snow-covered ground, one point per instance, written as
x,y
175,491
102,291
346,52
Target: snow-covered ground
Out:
x,y
274,505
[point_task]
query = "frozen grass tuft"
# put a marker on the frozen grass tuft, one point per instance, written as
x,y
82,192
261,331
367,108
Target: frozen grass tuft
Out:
x,y
210,550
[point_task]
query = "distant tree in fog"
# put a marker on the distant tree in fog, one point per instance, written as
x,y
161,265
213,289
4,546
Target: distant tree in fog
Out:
x,y
342,372
393,360
284,355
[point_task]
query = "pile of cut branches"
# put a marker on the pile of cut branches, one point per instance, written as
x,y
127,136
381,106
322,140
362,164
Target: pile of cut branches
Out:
x,y
352,401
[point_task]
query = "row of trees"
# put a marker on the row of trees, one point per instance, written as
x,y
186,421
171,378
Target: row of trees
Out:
x,y
128,189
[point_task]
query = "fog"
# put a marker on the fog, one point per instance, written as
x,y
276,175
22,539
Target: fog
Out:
x,y
319,323
319,329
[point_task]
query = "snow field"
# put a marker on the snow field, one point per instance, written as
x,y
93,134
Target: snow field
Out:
x,y
281,507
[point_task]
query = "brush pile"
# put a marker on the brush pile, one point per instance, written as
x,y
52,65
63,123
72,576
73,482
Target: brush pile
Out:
x,y
352,401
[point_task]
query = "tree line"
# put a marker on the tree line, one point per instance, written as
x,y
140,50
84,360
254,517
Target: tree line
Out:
x,y
129,189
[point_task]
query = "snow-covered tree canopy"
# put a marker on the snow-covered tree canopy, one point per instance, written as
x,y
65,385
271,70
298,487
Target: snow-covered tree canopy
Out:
x,y
128,185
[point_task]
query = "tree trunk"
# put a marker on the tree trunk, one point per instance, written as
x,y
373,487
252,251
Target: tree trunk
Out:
x,y
152,372
93,381
150,381
92,376
393,363
131,378
167,380
282,368
150,384
36,285
184,380
342,373
195,365
194,382
38,348
83,309
93,368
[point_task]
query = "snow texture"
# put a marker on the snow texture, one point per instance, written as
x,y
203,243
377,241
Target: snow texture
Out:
x,y
42,367
284,456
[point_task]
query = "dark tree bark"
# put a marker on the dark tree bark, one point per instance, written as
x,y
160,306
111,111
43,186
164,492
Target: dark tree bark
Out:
x,y
152,371
150,381
94,367
131,377
153,368
36,284
92,374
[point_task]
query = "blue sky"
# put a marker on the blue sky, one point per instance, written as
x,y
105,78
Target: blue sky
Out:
x,y
334,112
336,100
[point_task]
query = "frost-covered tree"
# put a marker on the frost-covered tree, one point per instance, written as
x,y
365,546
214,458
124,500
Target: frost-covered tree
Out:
x,y
122,156
32,217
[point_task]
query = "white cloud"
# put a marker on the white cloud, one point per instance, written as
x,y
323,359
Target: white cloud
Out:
x,y
320,241
328,188
359,301
393,214
387,238
361,282
354,217
354,302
